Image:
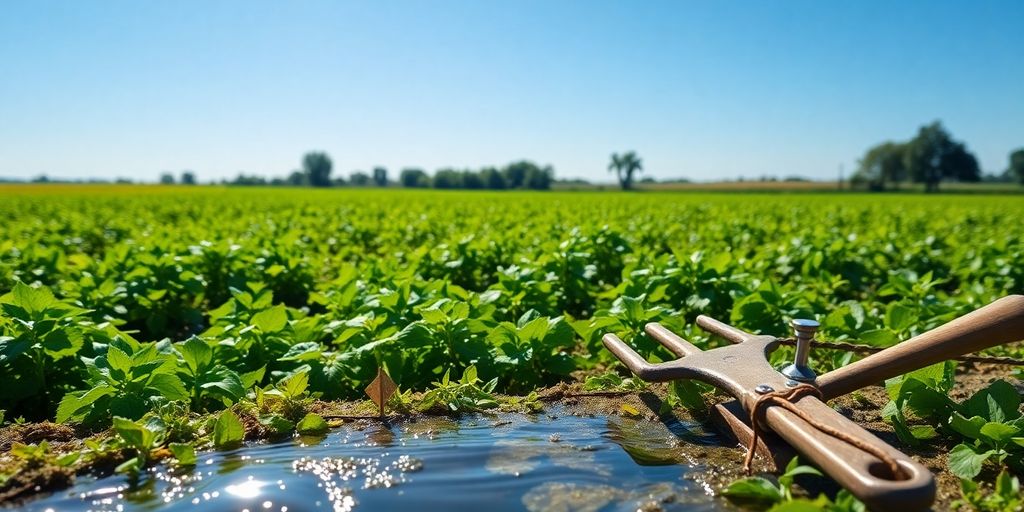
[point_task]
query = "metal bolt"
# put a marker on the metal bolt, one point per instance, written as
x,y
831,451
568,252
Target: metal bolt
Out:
x,y
790,383
804,331
763,389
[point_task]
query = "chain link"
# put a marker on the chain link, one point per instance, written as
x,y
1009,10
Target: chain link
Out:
x,y
867,349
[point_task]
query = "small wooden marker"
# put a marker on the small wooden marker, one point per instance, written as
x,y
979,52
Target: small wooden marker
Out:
x,y
381,389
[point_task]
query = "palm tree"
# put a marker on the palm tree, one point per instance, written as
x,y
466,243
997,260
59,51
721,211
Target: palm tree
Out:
x,y
624,166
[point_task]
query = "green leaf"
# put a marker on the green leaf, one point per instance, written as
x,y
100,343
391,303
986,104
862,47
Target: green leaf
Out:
x,y
755,489
965,461
132,465
534,330
32,300
168,386
879,338
196,353
119,360
690,394
69,459
73,404
131,406
469,375
276,423
999,433
11,348
312,424
223,383
271,320
1007,485
133,433
295,386
29,451
923,432
60,342
929,403
306,351
434,315
801,505
967,427
228,431
999,402
933,376
250,379
802,470
184,452
900,317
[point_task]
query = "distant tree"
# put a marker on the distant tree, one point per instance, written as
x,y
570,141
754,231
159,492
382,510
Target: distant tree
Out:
x,y
1004,177
359,179
317,166
188,178
962,164
244,180
472,180
414,178
167,179
492,178
298,179
625,166
447,179
575,182
526,174
539,178
882,165
1016,168
380,176
933,155
516,172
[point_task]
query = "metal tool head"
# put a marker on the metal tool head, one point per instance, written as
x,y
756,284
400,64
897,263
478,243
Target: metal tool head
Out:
x,y
743,368
743,371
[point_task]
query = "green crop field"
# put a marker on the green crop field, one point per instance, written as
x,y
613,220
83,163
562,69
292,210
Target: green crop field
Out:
x,y
118,300
271,283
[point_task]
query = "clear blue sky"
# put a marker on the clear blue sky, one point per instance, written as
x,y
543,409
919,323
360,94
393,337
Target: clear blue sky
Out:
x,y
705,90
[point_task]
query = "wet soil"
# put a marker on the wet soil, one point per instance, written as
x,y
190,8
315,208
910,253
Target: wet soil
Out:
x,y
628,410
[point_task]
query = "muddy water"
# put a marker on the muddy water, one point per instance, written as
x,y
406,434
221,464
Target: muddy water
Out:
x,y
550,462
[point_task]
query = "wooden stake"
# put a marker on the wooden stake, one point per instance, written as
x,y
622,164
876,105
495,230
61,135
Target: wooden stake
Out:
x,y
381,389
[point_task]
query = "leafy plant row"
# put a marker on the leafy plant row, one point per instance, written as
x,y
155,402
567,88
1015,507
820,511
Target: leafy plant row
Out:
x,y
115,304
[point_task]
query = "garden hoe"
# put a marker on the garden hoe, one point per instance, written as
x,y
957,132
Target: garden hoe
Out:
x,y
791,404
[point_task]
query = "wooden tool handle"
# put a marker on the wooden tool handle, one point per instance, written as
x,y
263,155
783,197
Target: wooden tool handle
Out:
x,y
864,475
995,324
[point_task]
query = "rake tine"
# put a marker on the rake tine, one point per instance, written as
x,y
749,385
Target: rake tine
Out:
x,y
670,340
662,372
726,331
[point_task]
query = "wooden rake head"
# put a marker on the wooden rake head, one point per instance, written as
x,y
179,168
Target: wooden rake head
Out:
x,y
742,370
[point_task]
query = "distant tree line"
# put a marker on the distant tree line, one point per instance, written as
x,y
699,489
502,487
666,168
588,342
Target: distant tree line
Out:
x,y
516,175
317,167
931,157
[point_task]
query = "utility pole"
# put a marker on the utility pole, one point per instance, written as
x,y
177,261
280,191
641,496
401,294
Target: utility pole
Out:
x,y
840,176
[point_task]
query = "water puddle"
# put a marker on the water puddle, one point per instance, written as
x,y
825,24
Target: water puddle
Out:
x,y
540,463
